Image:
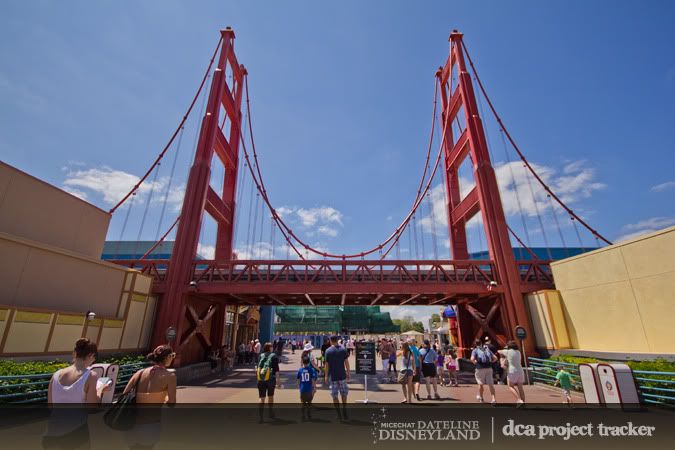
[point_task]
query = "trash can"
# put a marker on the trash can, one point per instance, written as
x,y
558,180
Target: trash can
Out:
x,y
617,384
590,381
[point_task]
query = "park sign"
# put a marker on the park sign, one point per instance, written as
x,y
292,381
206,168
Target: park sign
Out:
x,y
521,333
365,358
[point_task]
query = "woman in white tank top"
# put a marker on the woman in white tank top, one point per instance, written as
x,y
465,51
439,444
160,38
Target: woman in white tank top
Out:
x,y
73,384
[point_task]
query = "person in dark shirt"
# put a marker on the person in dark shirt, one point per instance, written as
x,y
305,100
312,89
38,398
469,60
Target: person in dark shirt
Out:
x,y
266,370
337,368
325,346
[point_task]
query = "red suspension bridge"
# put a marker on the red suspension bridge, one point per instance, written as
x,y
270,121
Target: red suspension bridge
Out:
x,y
489,292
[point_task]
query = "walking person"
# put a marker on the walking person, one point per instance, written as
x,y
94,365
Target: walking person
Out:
x,y
405,377
75,384
337,369
266,374
440,367
429,359
564,379
307,385
154,385
515,376
385,351
417,370
483,358
257,348
392,356
497,370
451,366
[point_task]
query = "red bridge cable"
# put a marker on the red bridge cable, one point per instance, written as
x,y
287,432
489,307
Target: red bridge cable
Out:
x,y
161,239
527,249
283,226
175,133
522,157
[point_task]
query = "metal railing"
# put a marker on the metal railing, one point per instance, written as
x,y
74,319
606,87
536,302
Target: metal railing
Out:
x,y
654,387
33,388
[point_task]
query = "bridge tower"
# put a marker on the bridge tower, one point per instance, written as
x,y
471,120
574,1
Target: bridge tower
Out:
x,y
499,315
219,135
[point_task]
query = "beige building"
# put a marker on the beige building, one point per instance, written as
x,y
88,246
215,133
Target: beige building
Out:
x,y
617,299
51,275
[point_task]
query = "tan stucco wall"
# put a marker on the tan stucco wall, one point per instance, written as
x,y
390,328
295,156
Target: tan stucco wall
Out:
x,y
36,275
40,331
621,298
38,211
548,319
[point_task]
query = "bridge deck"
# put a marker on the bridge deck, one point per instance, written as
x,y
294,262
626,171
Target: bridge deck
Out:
x,y
361,282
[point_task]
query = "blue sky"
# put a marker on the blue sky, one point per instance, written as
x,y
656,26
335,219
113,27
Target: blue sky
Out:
x,y
341,95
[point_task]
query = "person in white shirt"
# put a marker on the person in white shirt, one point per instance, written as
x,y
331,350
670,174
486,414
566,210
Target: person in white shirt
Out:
x,y
515,376
75,384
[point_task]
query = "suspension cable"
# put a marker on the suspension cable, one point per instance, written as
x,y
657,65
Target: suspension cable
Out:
x,y
147,207
175,133
145,255
283,226
557,224
534,255
168,186
124,226
522,157
515,188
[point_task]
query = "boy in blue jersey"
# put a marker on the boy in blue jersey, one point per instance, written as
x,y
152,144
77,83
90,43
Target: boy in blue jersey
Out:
x,y
307,384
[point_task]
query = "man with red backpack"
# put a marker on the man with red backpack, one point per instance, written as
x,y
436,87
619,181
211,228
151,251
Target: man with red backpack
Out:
x,y
266,373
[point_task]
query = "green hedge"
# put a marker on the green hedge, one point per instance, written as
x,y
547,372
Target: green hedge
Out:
x,y
659,365
10,367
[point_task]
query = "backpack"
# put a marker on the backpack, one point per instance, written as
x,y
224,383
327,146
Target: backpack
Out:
x,y
263,371
484,355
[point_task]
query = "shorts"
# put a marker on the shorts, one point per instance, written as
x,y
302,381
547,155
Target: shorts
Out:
x,y
428,370
516,377
266,388
306,397
566,392
339,387
417,376
484,376
385,364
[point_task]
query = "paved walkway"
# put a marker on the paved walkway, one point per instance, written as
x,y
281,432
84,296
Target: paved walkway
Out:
x,y
239,386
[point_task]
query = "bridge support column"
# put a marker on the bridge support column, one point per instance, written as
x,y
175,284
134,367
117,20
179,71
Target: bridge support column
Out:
x,y
457,94
225,95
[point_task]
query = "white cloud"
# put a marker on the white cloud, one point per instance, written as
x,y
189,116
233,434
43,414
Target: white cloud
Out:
x,y
326,214
206,251
576,182
313,221
663,186
76,192
646,226
327,231
112,185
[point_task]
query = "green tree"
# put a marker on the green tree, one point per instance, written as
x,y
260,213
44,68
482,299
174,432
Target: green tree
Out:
x,y
418,326
436,320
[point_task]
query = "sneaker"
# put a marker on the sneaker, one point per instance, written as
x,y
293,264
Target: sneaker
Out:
x,y
519,403
493,402
437,397
479,398
429,397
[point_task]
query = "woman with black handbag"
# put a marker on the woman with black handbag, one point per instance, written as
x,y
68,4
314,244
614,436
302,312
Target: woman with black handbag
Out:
x,y
429,357
152,386
405,376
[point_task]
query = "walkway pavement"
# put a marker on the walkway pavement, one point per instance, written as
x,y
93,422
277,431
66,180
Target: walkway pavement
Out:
x,y
239,386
